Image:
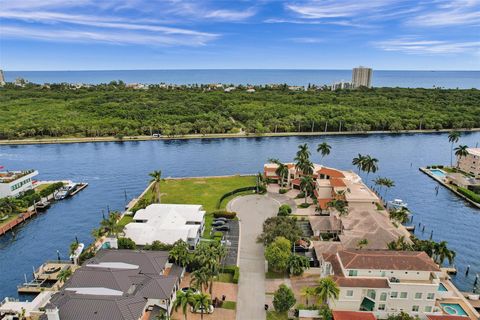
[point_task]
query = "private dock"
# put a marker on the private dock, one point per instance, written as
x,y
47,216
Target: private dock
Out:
x,y
46,277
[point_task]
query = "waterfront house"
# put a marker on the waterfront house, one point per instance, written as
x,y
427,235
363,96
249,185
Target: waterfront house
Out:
x,y
167,223
471,163
14,183
384,282
118,285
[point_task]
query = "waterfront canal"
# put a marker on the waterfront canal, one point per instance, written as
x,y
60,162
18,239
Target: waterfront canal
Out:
x,y
114,169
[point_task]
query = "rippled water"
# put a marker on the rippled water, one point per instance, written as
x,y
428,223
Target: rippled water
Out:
x,y
115,167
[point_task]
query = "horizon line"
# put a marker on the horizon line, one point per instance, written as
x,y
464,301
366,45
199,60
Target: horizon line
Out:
x,y
238,69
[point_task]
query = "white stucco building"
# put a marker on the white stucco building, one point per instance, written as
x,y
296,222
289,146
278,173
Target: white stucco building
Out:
x,y
384,282
167,223
14,183
471,163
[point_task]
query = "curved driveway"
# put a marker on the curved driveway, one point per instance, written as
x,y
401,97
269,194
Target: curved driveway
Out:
x,y
252,210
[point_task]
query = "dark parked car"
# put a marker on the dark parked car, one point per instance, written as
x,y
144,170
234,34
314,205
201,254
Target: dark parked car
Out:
x,y
221,219
218,223
300,249
222,228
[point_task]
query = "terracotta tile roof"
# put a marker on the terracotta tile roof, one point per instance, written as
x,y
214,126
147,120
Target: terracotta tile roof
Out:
x,y
270,169
352,315
323,203
332,173
290,165
296,182
361,282
432,317
337,182
387,260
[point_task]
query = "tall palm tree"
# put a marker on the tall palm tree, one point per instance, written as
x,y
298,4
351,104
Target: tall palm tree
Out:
x,y
339,205
388,183
327,289
359,162
370,165
200,279
64,274
441,252
202,302
307,185
111,225
307,292
156,178
183,300
461,152
281,171
324,149
401,215
179,253
296,264
453,138
303,152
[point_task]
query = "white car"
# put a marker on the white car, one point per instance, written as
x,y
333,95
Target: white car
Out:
x,y
199,310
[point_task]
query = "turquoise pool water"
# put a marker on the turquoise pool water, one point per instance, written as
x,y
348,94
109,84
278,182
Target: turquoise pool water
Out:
x,y
438,173
442,288
453,309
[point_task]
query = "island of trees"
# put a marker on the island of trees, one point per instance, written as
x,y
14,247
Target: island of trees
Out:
x,y
115,109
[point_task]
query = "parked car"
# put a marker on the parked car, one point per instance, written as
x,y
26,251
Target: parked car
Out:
x,y
199,310
221,219
300,249
218,223
194,291
222,228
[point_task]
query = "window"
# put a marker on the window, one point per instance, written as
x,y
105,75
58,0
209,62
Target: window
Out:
x,y
403,295
381,306
394,295
383,296
418,296
428,309
415,308
430,296
371,294
349,293
353,273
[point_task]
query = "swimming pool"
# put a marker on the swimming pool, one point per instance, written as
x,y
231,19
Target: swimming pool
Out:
x,y
453,309
442,288
438,173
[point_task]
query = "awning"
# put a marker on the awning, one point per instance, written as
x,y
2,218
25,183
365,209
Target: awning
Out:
x,y
367,305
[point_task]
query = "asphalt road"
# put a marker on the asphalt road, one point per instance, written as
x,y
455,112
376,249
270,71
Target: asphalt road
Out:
x,y
252,210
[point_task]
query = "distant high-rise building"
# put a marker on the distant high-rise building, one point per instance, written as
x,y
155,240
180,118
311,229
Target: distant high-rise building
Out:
x,y
362,77
2,78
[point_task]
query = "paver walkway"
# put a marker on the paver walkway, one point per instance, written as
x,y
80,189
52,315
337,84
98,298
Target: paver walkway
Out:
x,y
252,211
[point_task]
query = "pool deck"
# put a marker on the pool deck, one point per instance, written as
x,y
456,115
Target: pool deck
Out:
x,y
443,183
460,299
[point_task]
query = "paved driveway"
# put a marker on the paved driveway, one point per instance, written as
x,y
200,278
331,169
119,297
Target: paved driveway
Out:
x,y
252,211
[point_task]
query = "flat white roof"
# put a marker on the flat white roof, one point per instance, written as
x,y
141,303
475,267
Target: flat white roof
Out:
x,y
166,223
474,151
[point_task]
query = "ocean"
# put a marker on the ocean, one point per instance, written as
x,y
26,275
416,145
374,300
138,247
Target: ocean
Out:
x,y
381,78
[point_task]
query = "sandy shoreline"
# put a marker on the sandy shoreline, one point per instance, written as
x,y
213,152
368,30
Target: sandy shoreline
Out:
x,y
213,136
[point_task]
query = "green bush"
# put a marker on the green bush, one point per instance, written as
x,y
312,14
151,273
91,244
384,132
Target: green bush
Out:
x,y
284,210
283,191
428,167
50,189
300,195
304,205
232,270
469,194
224,214
158,246
126,243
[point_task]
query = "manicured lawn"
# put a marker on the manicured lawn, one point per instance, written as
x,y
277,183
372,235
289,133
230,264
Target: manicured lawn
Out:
x,y
273,315
125,220
275,275
42,186
225,277
232,305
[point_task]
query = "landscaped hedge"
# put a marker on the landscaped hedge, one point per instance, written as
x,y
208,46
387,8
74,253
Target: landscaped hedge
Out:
x,y
224,214
232,270
469,194
282,191
231,193
51,189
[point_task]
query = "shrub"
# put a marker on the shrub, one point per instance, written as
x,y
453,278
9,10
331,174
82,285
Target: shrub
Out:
x,y
282,191
284,210
262,189
469,194
158,246
304,205
224,214
283,299
277,254
300,195
428,167
232,270
126,243
440,166
50,189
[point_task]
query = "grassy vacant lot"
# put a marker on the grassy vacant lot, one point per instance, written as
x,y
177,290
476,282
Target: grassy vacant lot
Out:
x,y
204,191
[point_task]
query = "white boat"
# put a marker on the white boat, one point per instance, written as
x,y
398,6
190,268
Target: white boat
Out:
x,y
397,204
77,252
65,191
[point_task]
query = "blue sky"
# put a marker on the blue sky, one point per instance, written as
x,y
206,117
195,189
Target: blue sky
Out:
x,y
207,34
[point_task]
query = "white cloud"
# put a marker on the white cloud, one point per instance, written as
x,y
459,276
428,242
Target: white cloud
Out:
x,y
307,40
450,13
230,15
316,9
419,46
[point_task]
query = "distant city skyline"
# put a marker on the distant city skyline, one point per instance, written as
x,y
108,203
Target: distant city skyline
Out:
x,y
247,34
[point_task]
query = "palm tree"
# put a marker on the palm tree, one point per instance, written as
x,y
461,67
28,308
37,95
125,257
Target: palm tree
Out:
x,y
461,152
307,185
387,183
359,162
97,233
362,243
297,264
370,165
202,302
307,292
200,279
179,253
64,274
399,245
156,178
327,289
401,215
339,205
453,138
281,171
183,300
324,149
111,225
303,152
441,252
